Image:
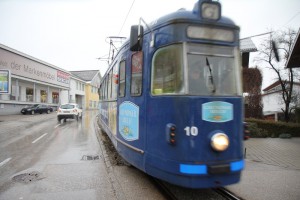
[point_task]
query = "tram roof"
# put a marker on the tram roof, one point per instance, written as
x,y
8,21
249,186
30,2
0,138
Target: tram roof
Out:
x,y
182,15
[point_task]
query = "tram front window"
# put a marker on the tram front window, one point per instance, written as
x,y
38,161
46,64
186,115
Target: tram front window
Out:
x,y
167,71
213,70
210,70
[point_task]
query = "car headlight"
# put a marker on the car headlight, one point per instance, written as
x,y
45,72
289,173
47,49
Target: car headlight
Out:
x,y
219,142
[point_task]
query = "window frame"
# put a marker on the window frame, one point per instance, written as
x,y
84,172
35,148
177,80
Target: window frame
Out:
x,y
124,89
183,66
131,74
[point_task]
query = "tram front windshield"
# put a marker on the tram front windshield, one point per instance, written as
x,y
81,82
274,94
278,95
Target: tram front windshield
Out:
x,y
202,70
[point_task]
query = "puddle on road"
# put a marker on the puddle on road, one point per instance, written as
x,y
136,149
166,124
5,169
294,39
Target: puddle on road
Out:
x,y
28,177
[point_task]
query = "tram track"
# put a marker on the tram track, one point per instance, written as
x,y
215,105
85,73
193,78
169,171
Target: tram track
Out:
x,y
226,194
175,193
168,194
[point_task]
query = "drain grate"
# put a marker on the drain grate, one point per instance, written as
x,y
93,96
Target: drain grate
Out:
x,y
28,177
89,157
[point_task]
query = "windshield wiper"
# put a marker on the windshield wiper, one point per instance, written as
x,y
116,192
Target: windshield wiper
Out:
x,y
210,77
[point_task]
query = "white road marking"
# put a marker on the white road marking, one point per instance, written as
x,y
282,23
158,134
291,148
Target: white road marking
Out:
x,y
5,161
57,125
39,138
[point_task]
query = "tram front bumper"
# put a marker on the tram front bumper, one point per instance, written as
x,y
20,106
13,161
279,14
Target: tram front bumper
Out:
x,y
211,169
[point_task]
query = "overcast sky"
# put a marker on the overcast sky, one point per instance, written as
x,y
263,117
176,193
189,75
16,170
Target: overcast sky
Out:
x,y
71,34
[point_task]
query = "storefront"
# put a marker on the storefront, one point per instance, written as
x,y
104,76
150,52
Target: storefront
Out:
x,y
31,81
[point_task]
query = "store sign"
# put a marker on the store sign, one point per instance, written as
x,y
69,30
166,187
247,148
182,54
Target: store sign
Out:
x,y
63,77
25,67
5,82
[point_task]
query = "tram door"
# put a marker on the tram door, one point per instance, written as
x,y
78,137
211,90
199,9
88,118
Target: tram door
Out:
x,y
130,107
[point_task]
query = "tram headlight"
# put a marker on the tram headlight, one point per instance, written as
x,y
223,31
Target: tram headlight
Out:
x,y
210,10
219,141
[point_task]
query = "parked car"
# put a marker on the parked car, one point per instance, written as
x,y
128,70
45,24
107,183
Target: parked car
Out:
x,y
69,111
36,108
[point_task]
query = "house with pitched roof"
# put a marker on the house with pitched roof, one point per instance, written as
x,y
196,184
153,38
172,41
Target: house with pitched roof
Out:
x,y
272,99
86,83
246,47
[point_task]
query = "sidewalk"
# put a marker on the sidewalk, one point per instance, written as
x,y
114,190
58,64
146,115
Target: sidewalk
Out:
x,y
272,170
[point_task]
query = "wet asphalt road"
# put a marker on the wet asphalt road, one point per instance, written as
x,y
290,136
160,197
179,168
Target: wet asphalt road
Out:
x,y
43,159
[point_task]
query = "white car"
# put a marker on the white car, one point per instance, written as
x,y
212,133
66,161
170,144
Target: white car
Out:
x,y
69,111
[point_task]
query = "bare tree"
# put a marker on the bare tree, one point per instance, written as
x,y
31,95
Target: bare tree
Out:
x,y
284,41
252,81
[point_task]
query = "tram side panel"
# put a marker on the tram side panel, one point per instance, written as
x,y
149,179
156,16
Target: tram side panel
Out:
x,y
131,130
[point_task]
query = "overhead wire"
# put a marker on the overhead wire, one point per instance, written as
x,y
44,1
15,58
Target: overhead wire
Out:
x,y
126,17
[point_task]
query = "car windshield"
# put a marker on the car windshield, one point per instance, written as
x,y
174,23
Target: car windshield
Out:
x,y
67,106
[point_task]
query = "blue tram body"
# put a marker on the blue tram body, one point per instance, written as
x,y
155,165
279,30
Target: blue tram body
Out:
x,y
160,121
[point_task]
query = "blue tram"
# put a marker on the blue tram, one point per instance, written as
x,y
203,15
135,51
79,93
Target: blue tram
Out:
x,y
171,100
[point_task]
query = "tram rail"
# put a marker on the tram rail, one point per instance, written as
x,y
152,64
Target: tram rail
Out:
x,y
226,194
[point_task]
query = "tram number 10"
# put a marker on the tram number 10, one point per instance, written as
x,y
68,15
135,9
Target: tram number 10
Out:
x,y
193,130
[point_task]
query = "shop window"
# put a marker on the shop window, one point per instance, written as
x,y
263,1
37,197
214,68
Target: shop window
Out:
x,y
55,97
43,96
29,94
13,93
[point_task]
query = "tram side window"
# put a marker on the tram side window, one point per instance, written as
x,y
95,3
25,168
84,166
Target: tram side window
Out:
x,y
109,85
101,92
115,81
122,80
105,88
167,71
136,74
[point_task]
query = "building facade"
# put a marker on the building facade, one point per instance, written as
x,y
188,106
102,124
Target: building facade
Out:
x,y
77,91
25,80
273,103
32,81
92,80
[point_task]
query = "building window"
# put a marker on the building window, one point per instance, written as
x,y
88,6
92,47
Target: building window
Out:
x,y
55,97
29,94
14,91
43,96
